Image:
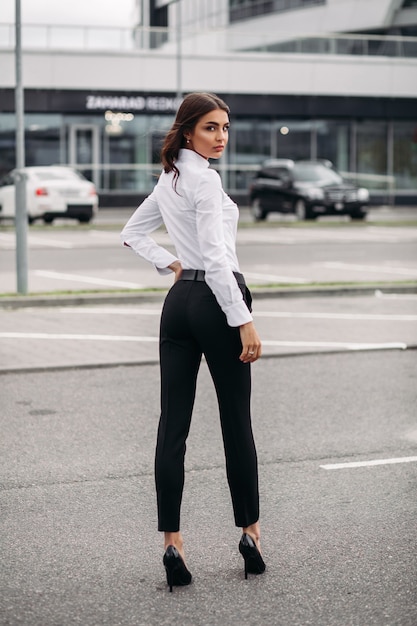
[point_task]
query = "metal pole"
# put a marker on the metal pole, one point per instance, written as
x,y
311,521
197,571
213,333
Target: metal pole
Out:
x,y
179,53
20,183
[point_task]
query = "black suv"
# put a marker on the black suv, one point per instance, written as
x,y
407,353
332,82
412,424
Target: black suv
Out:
x,y
306,188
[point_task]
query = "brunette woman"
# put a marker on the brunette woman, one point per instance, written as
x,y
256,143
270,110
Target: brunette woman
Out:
x,y
207,311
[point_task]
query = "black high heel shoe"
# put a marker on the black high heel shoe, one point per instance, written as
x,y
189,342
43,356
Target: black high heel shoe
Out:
x,y
177,572
254,563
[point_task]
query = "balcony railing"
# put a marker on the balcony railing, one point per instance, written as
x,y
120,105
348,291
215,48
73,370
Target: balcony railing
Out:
x,y
96,38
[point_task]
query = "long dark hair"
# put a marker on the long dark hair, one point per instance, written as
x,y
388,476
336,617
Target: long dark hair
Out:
x,y
192,108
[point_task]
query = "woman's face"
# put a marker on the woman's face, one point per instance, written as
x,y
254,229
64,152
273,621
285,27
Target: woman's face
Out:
x,y
210,135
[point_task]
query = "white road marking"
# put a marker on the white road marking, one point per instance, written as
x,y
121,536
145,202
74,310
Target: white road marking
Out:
x,y
279,314
137,339
338,316
50,243
275,278
77,337
92,280
405,459
395,296
282,235
337,344
9,240
109,311
382,269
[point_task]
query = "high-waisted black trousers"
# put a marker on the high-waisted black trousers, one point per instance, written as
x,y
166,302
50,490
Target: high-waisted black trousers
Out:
x,y
192,324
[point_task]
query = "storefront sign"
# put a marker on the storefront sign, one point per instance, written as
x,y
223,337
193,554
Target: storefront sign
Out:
x,y
132,103
68,101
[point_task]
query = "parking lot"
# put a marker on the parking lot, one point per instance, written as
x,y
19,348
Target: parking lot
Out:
x,y
334,419
337,446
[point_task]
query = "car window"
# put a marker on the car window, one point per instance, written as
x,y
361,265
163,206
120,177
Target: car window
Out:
x,y
316,173
59,175
7,180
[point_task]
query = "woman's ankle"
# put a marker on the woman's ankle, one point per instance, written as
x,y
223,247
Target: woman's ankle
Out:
x,y
254,531
173,539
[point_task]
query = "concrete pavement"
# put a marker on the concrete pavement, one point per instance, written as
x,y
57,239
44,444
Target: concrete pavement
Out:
x,y
103,331
78,523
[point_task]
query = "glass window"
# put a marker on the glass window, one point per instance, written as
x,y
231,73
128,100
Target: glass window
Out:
x,y
405,155
333,142
371,146
42,140
251,141
7,143
372,154
249,144
137,146
246,9
293,139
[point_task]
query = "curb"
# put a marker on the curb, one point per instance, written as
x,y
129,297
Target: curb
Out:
x,y
16,302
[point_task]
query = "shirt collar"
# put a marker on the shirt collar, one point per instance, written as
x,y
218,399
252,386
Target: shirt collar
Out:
x,y
185,155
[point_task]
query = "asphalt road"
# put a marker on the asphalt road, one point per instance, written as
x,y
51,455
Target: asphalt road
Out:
x,y
74,258
337,388
78,523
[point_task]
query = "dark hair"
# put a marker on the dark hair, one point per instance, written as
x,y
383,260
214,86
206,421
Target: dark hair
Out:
x,y
192,108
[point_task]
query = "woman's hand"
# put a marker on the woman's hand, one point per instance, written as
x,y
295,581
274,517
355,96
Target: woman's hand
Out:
x,y
176,267
251,344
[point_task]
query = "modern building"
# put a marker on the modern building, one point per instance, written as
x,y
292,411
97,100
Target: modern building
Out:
x,y
334,79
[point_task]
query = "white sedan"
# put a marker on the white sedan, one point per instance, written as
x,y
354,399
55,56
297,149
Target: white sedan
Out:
x,y
51,192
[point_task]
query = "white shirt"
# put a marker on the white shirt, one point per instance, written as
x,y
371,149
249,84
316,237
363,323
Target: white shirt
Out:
x,y
201,221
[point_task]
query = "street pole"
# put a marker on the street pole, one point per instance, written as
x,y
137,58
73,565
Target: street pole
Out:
x,y
179,52
20,183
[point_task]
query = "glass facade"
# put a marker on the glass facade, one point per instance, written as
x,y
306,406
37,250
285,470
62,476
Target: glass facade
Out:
x,y
116,154
247,9
120,152
404,154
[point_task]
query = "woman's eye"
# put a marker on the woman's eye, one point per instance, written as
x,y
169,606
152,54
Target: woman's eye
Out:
x,y
213,128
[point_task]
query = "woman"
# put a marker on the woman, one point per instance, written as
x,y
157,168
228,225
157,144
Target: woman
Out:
x,y
207,311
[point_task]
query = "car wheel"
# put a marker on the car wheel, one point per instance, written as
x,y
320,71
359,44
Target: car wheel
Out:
x,y
257,210
360,214
302,212
84,219
31,220
47,219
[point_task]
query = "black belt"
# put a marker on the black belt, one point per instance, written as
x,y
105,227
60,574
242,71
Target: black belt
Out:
x,y
200,275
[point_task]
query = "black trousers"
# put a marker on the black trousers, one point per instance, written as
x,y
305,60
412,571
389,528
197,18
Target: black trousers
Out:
x,y
192,324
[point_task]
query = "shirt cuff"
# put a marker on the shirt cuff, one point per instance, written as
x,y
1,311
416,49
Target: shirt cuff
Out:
x,y
238,314
163,271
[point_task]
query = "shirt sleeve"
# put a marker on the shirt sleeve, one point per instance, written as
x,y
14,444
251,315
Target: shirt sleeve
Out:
x,y
219,275
146,219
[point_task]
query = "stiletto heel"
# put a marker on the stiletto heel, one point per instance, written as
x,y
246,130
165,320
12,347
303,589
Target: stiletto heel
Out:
x,y
169,578
254,563
176,570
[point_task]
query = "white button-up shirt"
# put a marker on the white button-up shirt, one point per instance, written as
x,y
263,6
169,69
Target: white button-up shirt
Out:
x,y
201,221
